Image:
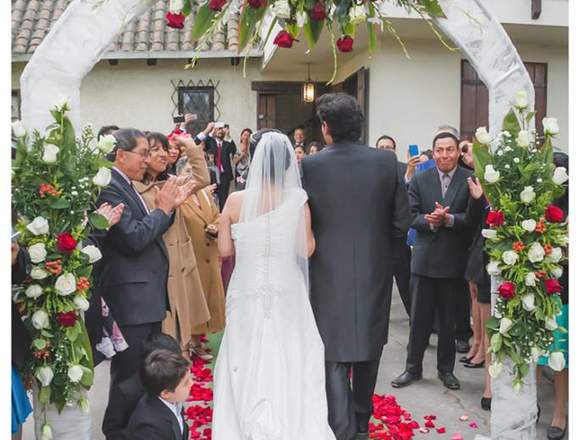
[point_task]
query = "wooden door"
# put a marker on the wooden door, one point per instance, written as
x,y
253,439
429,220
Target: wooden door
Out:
x,y
266,111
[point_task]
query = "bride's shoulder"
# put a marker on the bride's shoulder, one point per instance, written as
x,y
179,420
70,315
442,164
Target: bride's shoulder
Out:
x,y
299,195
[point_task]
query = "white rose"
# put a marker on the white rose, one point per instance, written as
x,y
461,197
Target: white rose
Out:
x,y
495,369
531,279
509,257
521,99
482,136
491,175
103,177
550,126
555,255
493,268
557,362
92,252
527,195
504,325
536,253
529,225
551,324
528,302
46,432
38,273
536,353
18,129
560,176
524,138
75,373
490,234
107,143
301,18
38,226
281,9
175,6
33,291
358,14
50,153
44,375
81,303
40,320
65,284
557,272
37,252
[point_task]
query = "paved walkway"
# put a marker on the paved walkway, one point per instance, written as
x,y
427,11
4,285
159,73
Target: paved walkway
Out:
x,y
427,397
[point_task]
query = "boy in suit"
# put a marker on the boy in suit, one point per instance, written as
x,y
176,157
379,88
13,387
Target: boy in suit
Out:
x,y
159,413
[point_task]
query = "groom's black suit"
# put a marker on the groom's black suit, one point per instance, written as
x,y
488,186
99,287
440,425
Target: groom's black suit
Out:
x,y
359,207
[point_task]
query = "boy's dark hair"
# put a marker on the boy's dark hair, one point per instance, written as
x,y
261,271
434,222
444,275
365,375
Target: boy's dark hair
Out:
x,y
163,370
385,136
446,135
158,341
342,114
105,130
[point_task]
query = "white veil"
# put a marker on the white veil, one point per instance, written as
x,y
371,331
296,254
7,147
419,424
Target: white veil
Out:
x,y
273,184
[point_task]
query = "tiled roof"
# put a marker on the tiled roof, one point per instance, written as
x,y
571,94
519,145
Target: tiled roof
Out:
x,y
32,20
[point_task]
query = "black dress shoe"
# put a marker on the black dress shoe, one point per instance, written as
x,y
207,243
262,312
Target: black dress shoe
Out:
x,y
405,379
449,380
362,427
465,359
486,403
462,346
470,365
555,433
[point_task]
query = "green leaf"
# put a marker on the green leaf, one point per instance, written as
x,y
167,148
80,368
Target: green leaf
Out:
x,y
546,154
186,8
98,221
433,8
248,20
39,344
60,204
492,323
46,333
312,32
68,134
495,342
530,116
88,377
481,158
203,21
44,395
511,124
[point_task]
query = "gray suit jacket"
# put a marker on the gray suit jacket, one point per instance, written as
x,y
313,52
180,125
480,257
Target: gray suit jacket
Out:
x,y
359,206
443,253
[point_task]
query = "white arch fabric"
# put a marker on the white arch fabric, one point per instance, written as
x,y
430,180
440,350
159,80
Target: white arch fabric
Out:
x,y
485,43
70,50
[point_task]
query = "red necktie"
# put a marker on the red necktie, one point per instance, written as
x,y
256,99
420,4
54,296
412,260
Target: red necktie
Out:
x,y
219,157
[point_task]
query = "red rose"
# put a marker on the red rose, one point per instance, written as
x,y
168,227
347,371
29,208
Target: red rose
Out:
x,y
552,286
216,5
284,39
175,21
256,4
344,44
318,12
67,319
65,243
495,218
507,290
554,214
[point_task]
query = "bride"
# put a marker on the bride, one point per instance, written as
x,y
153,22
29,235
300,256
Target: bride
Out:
x,y
269,376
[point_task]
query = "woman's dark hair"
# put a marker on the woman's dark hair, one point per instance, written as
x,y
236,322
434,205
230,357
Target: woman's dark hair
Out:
x,y
105,130
301,147
385,136
126,140
428,153
342,114
446,135
154,137
246,130
163,370
316,145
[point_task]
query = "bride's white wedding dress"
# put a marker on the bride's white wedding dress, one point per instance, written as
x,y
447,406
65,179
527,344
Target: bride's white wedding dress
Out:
x,y
269,377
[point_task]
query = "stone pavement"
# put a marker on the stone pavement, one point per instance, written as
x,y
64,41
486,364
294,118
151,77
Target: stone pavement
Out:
x,y
427,397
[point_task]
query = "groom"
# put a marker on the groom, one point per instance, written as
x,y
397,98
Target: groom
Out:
x,y
359,208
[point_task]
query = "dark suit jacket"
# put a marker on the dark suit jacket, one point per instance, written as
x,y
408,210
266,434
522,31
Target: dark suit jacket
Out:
x,y
443,253
132,274
402,168
359,207
123,400
153,420
228,151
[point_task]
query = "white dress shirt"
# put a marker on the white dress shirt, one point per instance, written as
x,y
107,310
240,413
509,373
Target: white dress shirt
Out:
x,y
176,410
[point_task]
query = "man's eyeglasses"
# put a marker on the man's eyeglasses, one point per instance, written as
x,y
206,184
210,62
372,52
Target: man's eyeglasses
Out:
x,y
143,154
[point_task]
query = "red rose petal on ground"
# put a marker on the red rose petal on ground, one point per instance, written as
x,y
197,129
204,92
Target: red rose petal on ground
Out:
x,y
429,424
441,430
473,425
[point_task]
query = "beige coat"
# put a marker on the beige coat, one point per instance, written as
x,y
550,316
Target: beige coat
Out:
x,y
197,218
186,299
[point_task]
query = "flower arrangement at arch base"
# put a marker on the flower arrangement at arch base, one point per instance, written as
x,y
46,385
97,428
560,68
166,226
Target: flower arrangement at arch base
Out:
x,y
56,178
526,237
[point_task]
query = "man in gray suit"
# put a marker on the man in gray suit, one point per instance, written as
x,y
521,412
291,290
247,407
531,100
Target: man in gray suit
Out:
x,y
359,207
446,206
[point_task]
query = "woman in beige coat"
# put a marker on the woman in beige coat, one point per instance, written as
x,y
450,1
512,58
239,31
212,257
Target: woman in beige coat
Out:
x,y
201,218
186,298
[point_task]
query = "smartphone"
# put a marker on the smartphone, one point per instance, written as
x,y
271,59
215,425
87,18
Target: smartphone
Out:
x,y
178,119
413,150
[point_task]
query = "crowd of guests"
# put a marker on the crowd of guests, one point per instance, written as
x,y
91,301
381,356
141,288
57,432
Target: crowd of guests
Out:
x,y
161,283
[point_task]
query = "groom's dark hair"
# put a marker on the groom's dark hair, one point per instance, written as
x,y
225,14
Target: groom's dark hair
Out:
x,y
342,114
